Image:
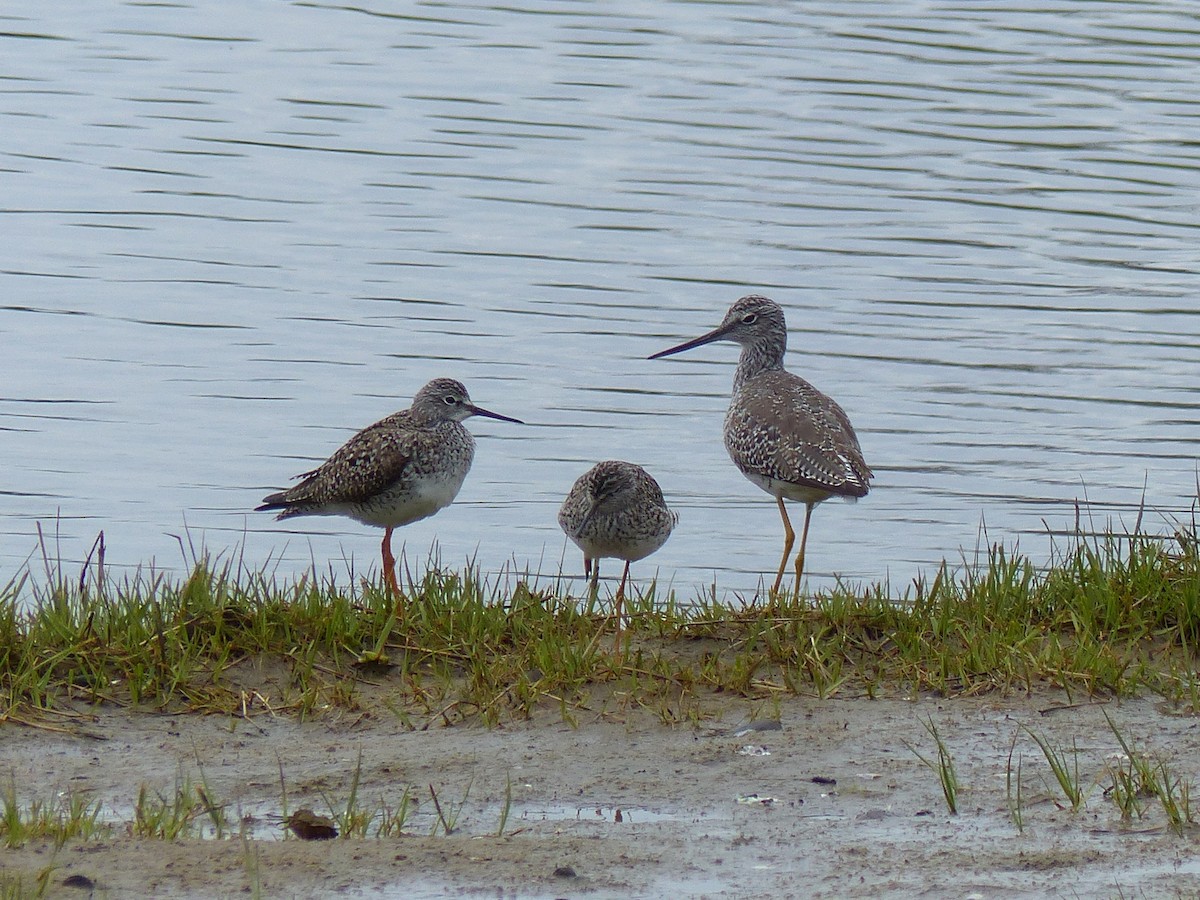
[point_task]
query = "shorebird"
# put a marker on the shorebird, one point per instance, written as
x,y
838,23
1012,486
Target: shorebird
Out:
x,y
616,510
401,469
786,436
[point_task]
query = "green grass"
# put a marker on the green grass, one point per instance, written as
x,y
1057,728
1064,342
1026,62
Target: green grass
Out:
x,y
65,817
157,815
943,767
1140,777
1013,787
1111,615
1064,769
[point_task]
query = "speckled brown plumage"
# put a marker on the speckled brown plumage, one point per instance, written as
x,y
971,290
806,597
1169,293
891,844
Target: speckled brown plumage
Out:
x,y
401,469
616,510
779,427
782,433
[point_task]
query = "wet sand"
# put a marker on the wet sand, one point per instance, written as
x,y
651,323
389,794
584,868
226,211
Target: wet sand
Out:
x,y
826,799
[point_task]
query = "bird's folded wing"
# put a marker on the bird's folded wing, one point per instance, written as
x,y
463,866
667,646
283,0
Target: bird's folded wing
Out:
x,y
807,441
366,465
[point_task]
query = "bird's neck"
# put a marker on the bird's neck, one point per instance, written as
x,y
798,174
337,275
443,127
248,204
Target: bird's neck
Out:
x,y
757,359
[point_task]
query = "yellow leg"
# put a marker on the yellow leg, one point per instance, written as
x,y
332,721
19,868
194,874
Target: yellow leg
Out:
x,y
619,602
808,508
789,538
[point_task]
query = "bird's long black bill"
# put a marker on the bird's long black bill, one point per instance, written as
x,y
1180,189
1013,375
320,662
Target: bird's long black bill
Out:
x,y
587,519
714,335
487,413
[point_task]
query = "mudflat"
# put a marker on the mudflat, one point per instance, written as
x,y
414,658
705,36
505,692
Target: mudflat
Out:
x,y
791,797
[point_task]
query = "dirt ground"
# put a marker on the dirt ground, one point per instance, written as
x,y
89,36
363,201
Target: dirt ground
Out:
x,y
827,798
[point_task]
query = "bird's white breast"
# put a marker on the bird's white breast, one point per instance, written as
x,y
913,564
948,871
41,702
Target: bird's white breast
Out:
x,y
788,491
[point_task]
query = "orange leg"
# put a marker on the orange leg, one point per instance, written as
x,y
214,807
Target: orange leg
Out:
x,y
389,569
619,601
800,556
789,539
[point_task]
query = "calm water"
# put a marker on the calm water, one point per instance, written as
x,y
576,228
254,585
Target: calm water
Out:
x,y
235,233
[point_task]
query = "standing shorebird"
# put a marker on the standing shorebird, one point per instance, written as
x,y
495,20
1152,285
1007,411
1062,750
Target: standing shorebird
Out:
x,y
401,469
785,435
616,509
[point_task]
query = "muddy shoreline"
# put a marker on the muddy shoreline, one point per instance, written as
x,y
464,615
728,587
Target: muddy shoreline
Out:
x,y
823,798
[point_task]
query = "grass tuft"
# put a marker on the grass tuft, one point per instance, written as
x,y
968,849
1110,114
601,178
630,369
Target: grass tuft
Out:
x,y
1111,614
1141,777
1066,771
943,767
67,817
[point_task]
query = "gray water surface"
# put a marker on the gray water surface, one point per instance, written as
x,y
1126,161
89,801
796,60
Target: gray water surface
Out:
x,y
235,233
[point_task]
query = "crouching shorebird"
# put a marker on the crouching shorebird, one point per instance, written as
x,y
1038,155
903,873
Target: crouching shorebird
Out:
x,y
401,469
616,510
786,436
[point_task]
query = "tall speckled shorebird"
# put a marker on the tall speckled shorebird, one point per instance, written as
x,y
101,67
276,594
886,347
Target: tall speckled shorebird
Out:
x,y
616,510
786,436
401,469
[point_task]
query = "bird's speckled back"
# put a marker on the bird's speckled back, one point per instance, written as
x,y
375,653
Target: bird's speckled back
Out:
x,y
616,509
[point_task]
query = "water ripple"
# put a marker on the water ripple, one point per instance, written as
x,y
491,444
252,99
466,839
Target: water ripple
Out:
x,y
227,248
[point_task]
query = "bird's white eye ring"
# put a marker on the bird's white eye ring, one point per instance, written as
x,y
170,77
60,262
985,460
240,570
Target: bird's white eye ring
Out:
x,y
450,399
749,318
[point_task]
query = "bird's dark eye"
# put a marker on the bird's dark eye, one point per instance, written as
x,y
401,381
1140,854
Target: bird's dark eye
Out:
x,y
749,318
450,399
